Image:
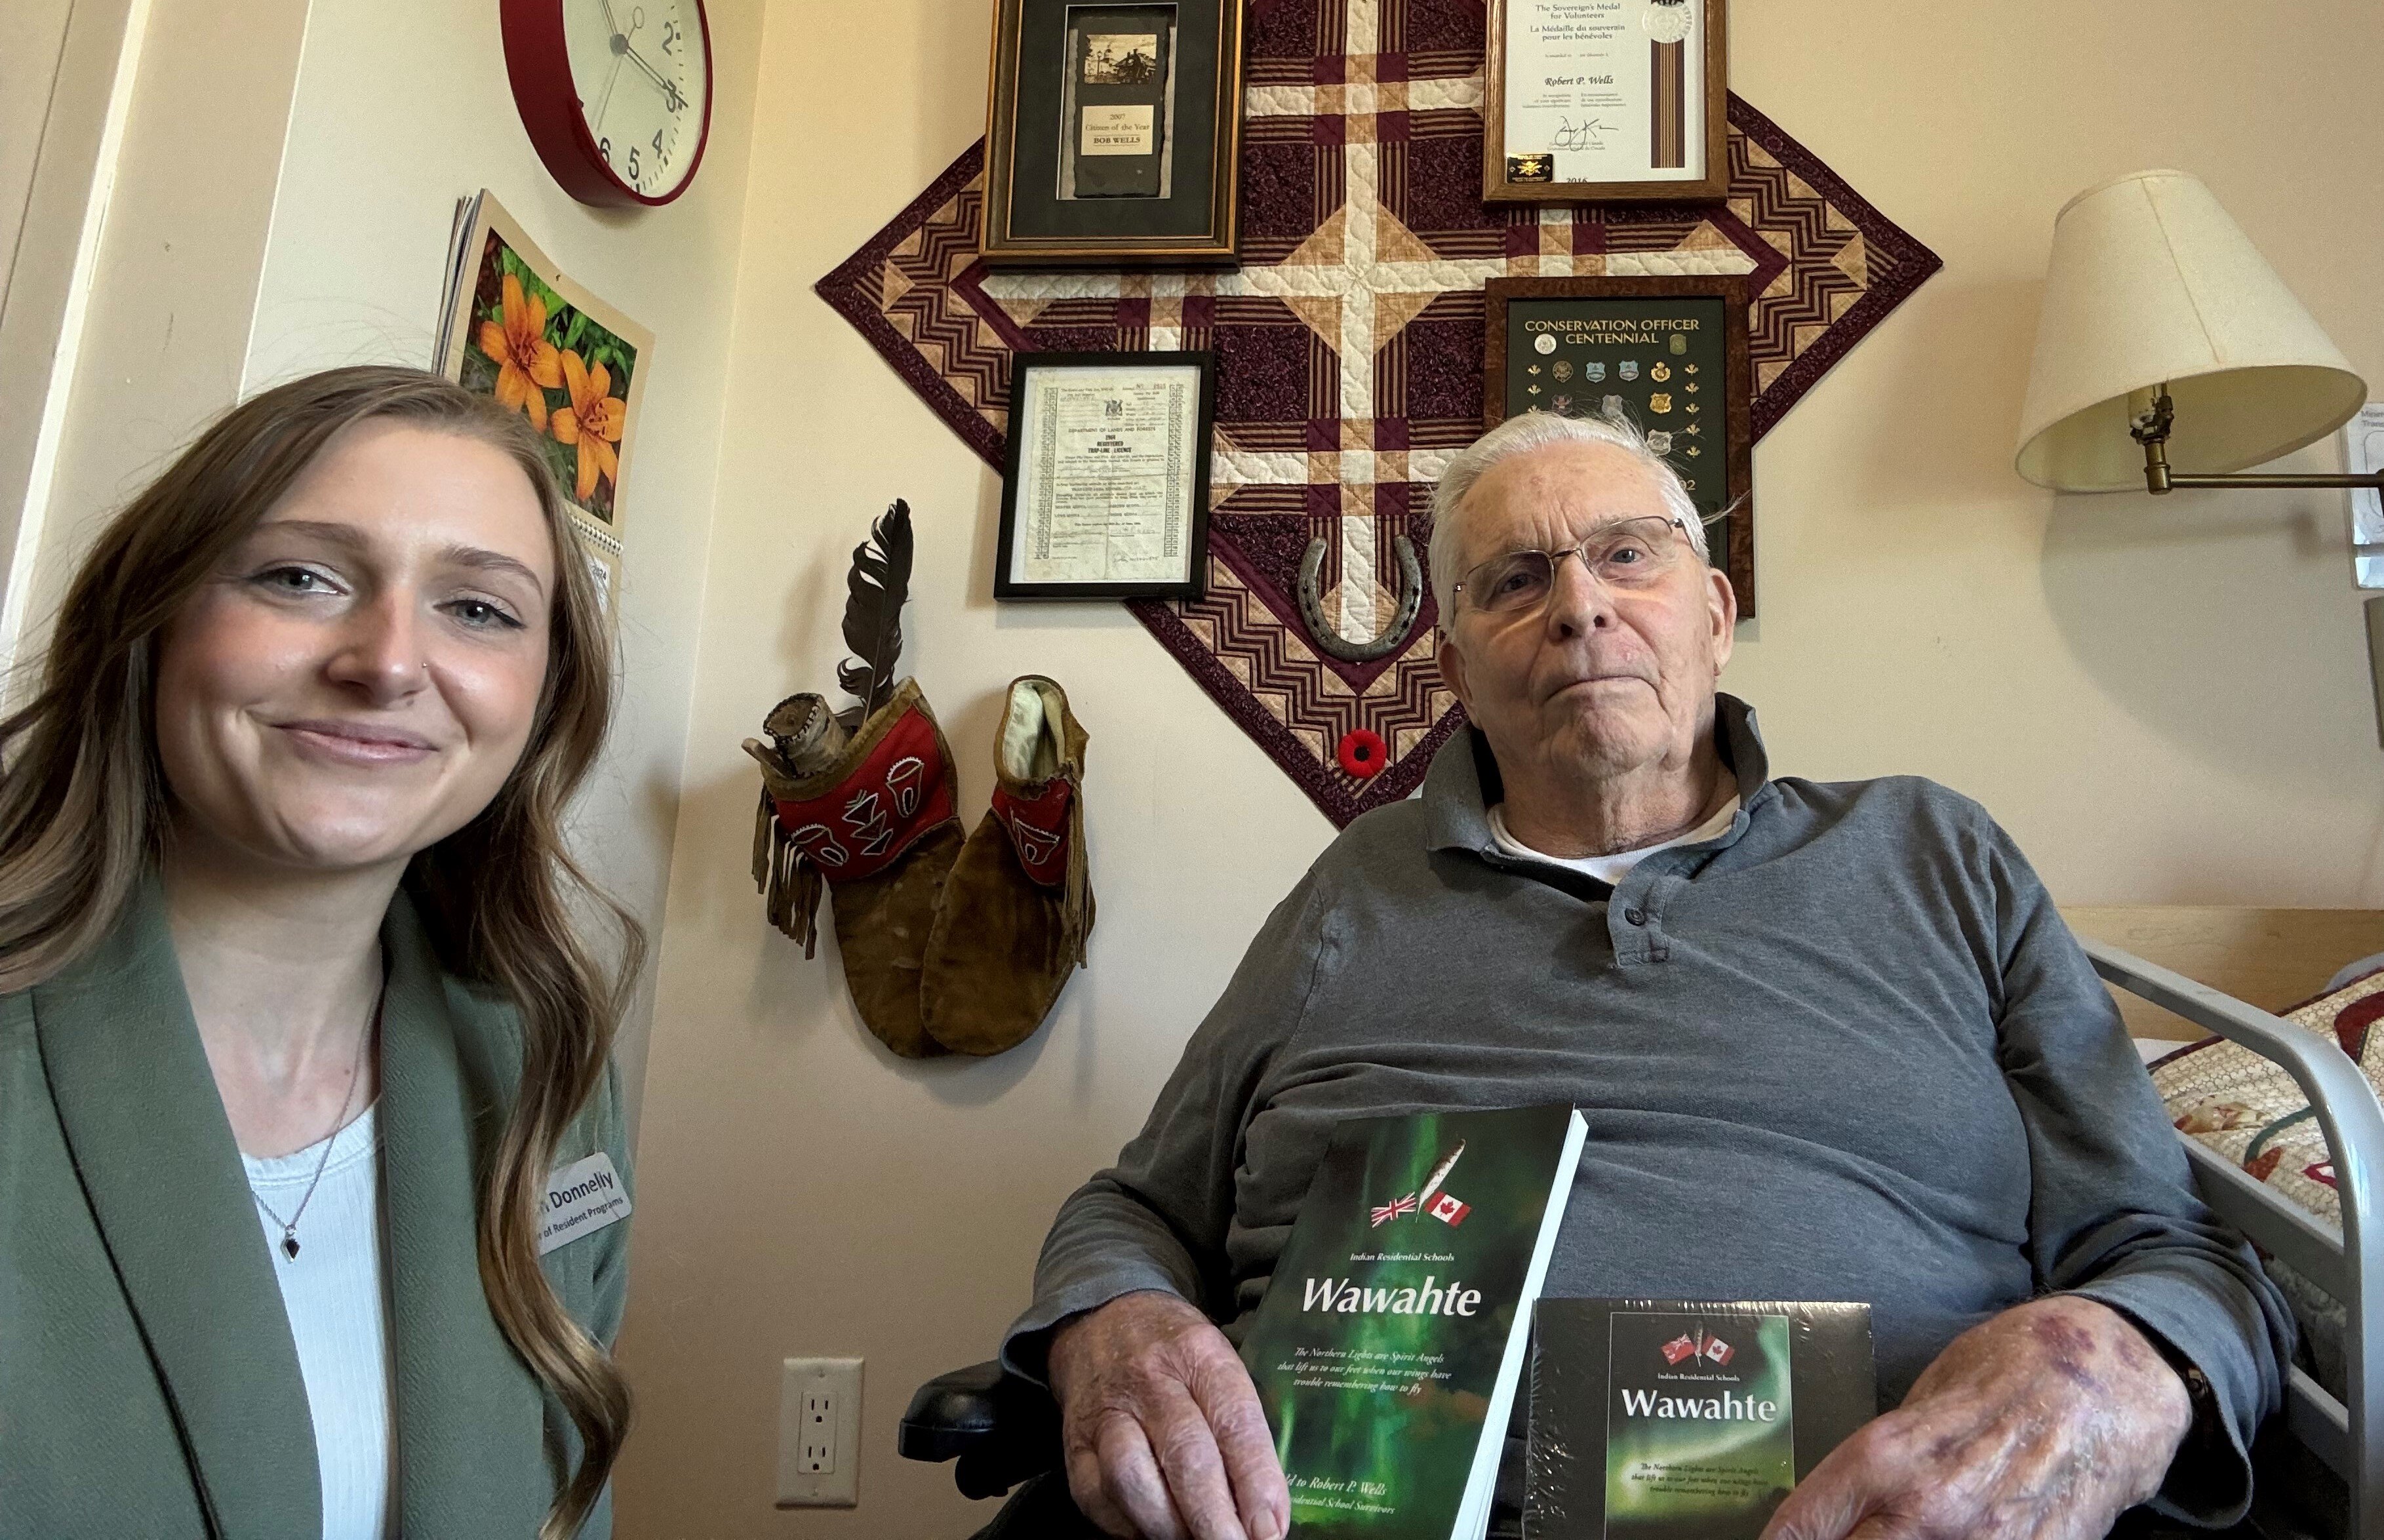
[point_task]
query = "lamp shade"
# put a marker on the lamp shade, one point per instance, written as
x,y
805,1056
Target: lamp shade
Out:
x,y
2150,284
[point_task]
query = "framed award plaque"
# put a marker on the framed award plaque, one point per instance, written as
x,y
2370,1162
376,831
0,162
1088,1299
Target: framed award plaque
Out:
x,y
1115,132
1105,489
1588,101
1669,353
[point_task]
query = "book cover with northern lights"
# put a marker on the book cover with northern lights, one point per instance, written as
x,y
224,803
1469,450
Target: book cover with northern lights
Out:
x,y
1683,1420
1391,1343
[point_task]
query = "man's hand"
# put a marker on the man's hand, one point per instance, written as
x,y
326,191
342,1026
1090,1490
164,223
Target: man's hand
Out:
x,y
1161,1427
2047,1421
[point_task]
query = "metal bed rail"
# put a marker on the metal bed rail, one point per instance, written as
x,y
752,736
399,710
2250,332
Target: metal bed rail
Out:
x,y
2349,1266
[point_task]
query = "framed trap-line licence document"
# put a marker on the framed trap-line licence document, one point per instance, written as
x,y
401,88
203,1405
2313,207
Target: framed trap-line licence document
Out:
x,y
1105,492
1115,133
1589,101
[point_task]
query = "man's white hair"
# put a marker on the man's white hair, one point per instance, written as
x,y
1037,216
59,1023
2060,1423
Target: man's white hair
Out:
x,y
1520,436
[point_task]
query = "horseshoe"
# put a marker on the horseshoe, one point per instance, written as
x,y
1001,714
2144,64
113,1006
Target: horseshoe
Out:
x,y
1311,606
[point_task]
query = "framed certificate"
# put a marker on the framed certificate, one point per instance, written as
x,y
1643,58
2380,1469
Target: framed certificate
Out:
x,y
1105,494
1587,101
1114,132
1669,353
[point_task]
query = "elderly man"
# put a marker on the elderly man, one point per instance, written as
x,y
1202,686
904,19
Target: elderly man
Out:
x,y
1832,1042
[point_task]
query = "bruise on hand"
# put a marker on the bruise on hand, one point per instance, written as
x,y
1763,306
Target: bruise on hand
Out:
x,y
2048,1419
2080,1376
2069,1349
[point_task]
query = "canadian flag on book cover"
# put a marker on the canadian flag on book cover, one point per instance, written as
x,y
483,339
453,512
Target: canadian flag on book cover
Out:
x,y
1448,1210
1699,1346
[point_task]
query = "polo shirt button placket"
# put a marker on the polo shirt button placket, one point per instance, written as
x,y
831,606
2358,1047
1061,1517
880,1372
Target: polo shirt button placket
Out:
x,y
1636,945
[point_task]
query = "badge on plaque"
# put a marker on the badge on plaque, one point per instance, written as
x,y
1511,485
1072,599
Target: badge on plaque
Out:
x,y
1563,370
1630,369
1660,373
1595,370
1661,443
1660,403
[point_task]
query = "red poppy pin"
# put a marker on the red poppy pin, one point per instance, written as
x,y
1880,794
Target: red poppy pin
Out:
x,y
1363,754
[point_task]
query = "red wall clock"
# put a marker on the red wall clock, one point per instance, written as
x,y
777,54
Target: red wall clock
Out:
x,y
616,94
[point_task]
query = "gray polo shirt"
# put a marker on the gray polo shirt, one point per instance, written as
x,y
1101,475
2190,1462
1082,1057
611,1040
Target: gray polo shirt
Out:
x,y
1845,1051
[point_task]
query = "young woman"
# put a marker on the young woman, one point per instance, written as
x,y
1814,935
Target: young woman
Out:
x,y
294,1029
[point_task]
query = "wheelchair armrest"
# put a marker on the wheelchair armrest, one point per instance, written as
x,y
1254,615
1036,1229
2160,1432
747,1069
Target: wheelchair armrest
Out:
x,y
1001,1428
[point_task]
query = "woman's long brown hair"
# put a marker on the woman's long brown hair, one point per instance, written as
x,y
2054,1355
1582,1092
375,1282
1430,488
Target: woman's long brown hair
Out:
x,y
84,810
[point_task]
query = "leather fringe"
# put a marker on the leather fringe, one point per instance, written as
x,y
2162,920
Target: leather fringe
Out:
x,y
764,821
790,885
1076,898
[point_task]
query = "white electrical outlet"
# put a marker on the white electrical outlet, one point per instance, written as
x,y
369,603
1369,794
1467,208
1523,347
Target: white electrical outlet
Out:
x,y
819,1434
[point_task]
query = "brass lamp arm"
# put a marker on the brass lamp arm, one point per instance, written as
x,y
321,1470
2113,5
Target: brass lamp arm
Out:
x,y
2150,430
2168,479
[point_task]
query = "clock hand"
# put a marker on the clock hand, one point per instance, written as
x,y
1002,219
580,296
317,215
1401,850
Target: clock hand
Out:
x,y
621,43
606,100
670,87
671,93
640,60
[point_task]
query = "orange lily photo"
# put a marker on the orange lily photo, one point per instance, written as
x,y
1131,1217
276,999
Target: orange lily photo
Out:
x,y
519,330
527,364
593,422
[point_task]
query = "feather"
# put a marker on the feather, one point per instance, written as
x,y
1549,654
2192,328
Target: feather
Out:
x,y
878,586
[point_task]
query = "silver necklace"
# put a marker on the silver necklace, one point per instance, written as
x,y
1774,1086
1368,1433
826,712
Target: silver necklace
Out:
x,y
355,1076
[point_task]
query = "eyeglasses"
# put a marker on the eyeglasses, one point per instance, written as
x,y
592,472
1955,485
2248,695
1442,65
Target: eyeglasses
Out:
x,y
1628,553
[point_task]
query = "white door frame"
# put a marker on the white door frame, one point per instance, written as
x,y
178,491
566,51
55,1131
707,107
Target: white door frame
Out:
x,y
127,318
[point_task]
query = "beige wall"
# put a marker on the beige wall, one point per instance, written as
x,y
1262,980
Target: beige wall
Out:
x,y
398,112
2164,702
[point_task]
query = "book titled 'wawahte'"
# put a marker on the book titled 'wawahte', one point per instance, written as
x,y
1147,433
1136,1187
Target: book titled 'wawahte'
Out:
x,y
1680,1419
1391,1341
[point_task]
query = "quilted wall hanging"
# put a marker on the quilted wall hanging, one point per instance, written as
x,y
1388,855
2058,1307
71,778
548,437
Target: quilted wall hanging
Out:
x,y
1350,347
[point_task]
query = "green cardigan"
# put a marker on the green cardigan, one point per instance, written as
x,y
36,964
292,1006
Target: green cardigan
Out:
x,y
148,1381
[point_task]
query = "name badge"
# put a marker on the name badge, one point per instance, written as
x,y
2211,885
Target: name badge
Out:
x,y
581,1199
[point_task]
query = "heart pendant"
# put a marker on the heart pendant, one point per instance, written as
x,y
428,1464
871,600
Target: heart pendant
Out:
x,y
289,1247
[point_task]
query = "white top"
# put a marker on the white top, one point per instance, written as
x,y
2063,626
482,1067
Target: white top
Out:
x,y
1607,869
336,1296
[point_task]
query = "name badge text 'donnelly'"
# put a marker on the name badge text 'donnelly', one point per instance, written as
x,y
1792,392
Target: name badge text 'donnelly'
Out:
x,y
581,1199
